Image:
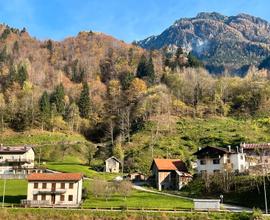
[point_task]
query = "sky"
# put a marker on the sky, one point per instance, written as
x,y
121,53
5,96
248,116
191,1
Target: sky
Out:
x,y
126,20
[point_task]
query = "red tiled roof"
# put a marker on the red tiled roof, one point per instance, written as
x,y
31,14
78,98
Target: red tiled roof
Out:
x,y
170,164
55,176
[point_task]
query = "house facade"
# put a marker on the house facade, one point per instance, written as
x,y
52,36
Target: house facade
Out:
x,y
112,165
169,174
257,156
16,160
54,190
217,160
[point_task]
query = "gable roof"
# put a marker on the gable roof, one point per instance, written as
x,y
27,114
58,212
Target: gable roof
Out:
x,y
114,158
169,164
54,177
14,150
208,150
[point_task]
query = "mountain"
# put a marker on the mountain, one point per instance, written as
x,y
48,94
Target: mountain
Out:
x,y
222,42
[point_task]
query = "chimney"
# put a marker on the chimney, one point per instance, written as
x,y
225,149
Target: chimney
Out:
x,y
229,148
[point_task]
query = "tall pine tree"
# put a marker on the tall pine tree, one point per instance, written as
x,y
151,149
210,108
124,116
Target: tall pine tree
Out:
x,y
58,98
145,69
142,67
45,108
22,74
84,101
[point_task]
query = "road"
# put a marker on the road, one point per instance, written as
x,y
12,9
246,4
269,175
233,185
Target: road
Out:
x,y
226,207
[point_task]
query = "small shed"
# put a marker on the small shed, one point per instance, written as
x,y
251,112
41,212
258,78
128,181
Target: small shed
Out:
x,y
206,204
112,165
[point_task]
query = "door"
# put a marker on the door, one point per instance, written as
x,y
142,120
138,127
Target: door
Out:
x,y
52,199
53,186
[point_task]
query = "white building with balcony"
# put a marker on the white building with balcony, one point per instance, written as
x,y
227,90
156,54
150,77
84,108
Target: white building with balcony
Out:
x,y
217,160
54,190
16,160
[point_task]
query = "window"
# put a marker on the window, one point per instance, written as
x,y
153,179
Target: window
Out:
x,y
242,157
44,185
70,198
43,197
202,162
35,197
35,185
62,198
62,185
71,185
215,161
228,161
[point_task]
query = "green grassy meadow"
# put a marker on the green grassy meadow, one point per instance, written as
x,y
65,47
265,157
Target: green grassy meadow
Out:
x,y
139,199
15,191
73,167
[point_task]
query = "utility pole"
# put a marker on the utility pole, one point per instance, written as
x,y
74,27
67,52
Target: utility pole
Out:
x,y
265,196
264,187
4,192
39,155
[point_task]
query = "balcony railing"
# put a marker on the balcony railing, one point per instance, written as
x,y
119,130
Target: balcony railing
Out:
x,y
11,160
48,191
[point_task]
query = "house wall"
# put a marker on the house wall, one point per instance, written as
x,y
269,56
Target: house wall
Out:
x,y
76,192
112,166
29,155
209,167
233,162
163,179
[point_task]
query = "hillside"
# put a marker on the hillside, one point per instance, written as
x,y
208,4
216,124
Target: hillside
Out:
x,y
118,99
222,42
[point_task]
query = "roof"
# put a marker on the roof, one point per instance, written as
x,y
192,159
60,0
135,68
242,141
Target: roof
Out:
x,y
208,149
170,164
14,150
255,146
54,177
114,158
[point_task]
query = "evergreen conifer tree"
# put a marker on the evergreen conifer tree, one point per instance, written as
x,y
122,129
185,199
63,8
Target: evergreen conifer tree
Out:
x,y
84,101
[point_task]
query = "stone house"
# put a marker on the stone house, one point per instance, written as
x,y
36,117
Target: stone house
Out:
x,y
169,174
54,190
112,165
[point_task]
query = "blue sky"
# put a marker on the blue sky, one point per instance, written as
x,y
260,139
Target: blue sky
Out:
x,y
127,20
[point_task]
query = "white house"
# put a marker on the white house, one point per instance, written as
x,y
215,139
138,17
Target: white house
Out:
x,y
16,160
54,190
217,159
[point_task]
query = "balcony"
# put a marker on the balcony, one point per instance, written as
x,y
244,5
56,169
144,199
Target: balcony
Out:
x,y
11,160
48,191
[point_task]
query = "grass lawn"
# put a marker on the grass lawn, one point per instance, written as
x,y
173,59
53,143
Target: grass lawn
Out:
x,y
15,191
74,167
138,199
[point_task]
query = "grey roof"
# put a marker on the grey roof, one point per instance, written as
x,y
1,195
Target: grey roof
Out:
x,y
14,150
114,158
